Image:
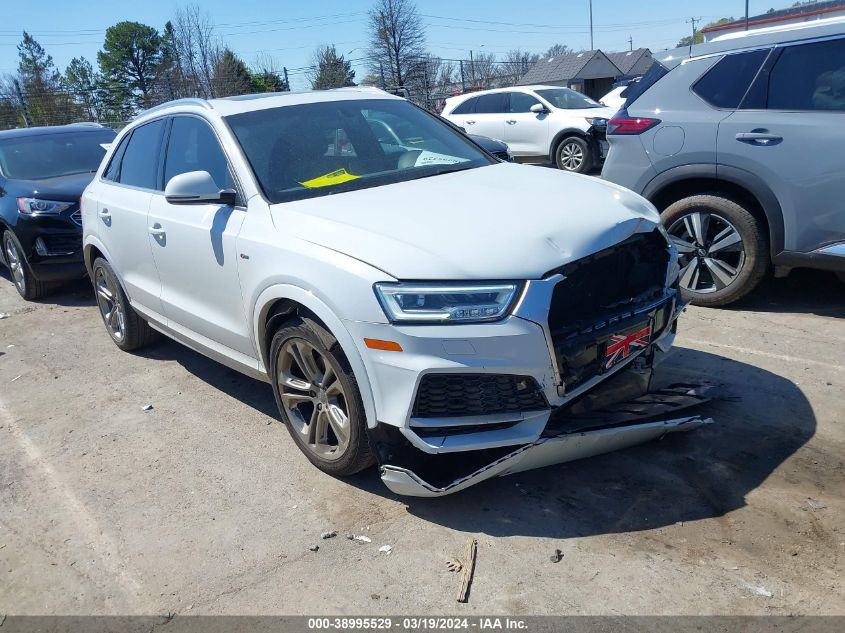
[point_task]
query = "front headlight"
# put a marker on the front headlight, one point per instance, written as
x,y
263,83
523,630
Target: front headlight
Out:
x,y
446,302
36,206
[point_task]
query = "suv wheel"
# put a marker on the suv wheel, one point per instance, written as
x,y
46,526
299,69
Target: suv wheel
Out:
x,y
125,326
318,397
574,154
25,282
722,248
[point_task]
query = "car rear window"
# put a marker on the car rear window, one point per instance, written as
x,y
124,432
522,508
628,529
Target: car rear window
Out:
x,y
654,74
52,155
725,84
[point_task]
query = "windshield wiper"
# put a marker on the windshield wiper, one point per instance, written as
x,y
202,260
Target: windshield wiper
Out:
x,y
440,172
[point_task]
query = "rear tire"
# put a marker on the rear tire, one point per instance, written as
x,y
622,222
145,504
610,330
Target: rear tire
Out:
x,y
318,398
127,328
574,154
723,248
28,286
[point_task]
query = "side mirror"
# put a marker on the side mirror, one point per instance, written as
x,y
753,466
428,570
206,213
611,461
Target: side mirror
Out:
x,y
539,108
197,187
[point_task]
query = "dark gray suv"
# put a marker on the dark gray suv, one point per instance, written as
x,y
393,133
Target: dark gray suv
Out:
x,y
740,143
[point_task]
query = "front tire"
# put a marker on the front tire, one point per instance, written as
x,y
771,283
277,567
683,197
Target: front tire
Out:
x,y
125,326
574,154
318,398
723,249
27,285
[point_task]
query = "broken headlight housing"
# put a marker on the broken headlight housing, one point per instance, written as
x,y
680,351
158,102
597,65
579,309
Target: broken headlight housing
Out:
x,y
446,302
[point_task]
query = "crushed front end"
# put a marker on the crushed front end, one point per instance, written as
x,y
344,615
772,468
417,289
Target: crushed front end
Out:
x,y
568,375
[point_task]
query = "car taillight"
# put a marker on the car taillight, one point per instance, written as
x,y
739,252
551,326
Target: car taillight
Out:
x,y
622,124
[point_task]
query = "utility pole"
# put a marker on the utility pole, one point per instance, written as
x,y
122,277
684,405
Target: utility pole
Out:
x,y
693,21
591,25
472,68
26,120
463,80
630,43
746,15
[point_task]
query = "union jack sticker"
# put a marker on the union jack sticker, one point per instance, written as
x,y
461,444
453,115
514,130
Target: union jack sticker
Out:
x,y
621,346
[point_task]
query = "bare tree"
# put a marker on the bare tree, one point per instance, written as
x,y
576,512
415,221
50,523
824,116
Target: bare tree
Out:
x,y
397,43
195,52
482,70
555,50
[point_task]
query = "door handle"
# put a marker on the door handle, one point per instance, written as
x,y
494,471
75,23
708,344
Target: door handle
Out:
x,y
157,231
510,121
104,213
759,137
470,122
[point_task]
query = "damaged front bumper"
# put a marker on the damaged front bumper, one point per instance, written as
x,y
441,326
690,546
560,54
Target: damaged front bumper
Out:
x,y
544,452
590,427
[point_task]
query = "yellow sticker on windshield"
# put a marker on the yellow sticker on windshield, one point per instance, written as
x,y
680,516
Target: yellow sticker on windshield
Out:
x,y
334,178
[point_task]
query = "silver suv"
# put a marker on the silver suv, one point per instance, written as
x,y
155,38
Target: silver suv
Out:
x,y
740,143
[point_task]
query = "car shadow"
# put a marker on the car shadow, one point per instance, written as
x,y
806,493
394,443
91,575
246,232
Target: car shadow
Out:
x,y
760,421
803,291
75,293
251,392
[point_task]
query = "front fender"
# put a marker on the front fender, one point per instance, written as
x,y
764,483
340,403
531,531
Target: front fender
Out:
x,y
274,293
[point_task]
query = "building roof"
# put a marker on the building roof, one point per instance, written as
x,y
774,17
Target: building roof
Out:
x,y
808,10
558,68
626,60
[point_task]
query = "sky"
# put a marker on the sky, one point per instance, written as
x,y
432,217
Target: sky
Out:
x,y
289,31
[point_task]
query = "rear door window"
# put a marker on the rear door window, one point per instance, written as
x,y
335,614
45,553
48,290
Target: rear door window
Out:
x,y
113,170
139,167
494,103
809,77
725,84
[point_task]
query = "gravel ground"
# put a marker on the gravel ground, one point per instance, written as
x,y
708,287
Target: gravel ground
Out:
x,y
205,506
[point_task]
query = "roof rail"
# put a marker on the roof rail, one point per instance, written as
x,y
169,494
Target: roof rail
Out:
x,y
195,101
88,124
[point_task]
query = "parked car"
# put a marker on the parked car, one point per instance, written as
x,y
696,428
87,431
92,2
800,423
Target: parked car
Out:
x,y
738,143
421,304
493,146
538,123
43,171
614,99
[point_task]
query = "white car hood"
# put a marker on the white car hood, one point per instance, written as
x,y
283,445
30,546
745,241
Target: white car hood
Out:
x,y
605,112
504,221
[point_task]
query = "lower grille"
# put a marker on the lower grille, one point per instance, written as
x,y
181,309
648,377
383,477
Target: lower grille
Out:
x,y
451,395
61,244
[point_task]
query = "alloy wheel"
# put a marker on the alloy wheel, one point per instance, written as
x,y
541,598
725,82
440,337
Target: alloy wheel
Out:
x,y
571,156
110,306
313,398
16,265
710,250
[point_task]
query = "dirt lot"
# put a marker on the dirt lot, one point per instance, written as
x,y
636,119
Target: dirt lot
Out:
x,y
204,505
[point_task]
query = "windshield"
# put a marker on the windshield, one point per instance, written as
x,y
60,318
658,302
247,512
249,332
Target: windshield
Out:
x,y
566,99
317,149
54,154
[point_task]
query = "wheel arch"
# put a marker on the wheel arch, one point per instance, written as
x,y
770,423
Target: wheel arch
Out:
x,y
277,303
739,185
564,134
